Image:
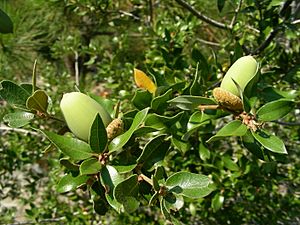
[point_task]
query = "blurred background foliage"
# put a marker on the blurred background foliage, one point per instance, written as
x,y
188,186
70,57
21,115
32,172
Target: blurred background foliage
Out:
x,y
97,43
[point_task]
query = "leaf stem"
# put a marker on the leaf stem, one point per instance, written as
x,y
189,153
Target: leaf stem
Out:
x,y
145,178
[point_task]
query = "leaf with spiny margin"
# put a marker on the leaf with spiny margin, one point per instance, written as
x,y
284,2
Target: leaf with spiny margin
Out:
x,y
69,183
38,101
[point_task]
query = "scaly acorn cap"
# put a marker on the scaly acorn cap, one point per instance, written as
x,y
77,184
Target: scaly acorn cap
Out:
x,y
228,100
114,129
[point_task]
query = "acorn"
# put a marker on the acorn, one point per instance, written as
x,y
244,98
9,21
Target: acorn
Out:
x,y
242,72
114,129
79,111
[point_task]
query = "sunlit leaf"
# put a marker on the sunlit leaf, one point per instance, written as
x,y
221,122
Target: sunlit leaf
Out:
x,y
143,81
69,183
18,119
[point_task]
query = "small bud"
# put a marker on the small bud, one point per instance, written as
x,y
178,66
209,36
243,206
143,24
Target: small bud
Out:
x,y
242,71
79,111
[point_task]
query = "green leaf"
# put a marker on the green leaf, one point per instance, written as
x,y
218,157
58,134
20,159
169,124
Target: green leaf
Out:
x,y
107,104
6,25
229,164
190,185
38,101
246,103
90,166
118,142
182,146
252,145
109,179
188,102
217,202
154,151
272,94
196,120
126,192
173,202
195,88
160,122
142,99
204,152
15,95
234,128
160,102
98,135
70,183
72,147
269,141
275,110
18,119
221,4
68,164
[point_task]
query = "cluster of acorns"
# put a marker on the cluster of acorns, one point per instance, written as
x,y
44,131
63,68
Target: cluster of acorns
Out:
x,y
80,110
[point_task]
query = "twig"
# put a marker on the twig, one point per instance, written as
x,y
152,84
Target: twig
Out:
x,y
5,128
147,179
208,42
266,43
76,65
203,17
236,12
150,11
287,123
204,107
273,33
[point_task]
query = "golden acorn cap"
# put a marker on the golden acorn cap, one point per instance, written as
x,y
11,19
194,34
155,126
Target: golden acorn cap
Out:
x,y
227,99
114,129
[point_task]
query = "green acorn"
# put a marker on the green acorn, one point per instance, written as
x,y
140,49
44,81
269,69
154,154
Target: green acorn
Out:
x,y
243,71
79,111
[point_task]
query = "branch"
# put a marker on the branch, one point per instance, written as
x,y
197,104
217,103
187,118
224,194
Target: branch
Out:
x,y
236,12
208,42
202,16
266,43
273,33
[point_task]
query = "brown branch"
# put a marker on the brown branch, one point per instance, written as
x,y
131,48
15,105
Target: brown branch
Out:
x,y
236,12
274,32
203,17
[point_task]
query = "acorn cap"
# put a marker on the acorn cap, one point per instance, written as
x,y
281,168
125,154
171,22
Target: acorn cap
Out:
x,y
227,99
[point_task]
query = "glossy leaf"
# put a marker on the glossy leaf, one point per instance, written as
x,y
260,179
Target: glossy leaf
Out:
x,y
118,142
217,202
6,25
98,135
68,164
196,120
109,179
229,163
141,99
18,119
252,145
90,166
126,192
173,202
143,81
204,152
72,147
189,184
38,101
160,102
160,122
69,183
154,151
14,94
272,94
234,128
188,102
270,141
246,103
275,110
